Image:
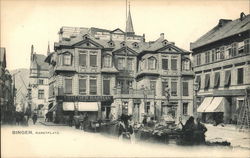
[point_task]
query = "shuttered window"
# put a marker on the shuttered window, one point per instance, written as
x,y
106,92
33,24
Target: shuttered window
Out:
x,y
227,82
68,86
217,80
185,89
198,81
207,81
82,59
173,88
93,60
185,109
165,64
106,87
93,87
82,86
240,76
174,64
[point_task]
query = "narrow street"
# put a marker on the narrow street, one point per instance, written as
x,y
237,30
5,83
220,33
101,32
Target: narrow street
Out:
x,y
64,141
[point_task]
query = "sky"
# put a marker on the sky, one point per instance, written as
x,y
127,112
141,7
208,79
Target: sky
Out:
x,y
37,22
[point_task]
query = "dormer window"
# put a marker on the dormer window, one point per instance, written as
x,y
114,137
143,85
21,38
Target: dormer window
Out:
x,y
123,44
165,42
86,36
111,44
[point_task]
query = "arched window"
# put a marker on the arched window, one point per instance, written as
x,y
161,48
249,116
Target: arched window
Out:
x,y
152,63
107,61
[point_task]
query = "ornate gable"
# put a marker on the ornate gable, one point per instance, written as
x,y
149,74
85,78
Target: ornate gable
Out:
x,y
125,51
88,43
170,48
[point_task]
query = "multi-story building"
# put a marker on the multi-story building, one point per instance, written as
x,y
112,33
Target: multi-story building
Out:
x,y
38,83
6,90
105,73
222,70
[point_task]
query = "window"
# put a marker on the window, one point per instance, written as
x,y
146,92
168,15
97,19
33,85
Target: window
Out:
x,y
207,81
185,108
40,82
82,59
247,46
213,55
130,64
151,63
153,86
93,59
40,94
174,64
186,65
217,55
227,81
164,88
198,81
234,49
198,59
82,86
240,76
107,61
227,52
68,86
93,88
207,57
173,88
185,89
165,64
217,80
67,59
120,63
106,87
222,52
143,64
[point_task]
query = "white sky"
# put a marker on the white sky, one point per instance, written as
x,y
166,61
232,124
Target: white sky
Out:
x,y
36,22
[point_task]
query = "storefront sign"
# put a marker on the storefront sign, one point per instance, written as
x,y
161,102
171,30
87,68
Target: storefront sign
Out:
x,y
85,98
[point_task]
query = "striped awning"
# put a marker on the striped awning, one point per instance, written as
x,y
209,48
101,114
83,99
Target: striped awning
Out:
x,y
206,102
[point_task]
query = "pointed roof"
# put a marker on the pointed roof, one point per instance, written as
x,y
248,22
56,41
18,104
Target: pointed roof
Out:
x,y
48,50
129,23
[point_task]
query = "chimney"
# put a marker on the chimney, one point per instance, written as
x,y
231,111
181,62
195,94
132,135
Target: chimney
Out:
x,y
143,38
222,22
242,16
32,52
162,35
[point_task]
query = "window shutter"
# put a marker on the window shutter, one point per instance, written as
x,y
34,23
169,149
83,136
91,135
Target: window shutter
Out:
x,y
93,60
82,86
165,64
93,87
240,76
185,89
82,59
68,86
227,78
106,87
216,80
174,64
207,81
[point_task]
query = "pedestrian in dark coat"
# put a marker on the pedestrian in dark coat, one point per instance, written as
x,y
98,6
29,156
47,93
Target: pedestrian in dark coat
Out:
x,y
200,131
188,131
34,118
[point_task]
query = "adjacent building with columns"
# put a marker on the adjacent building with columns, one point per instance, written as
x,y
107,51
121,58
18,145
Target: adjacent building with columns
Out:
x,y
110,72
222,69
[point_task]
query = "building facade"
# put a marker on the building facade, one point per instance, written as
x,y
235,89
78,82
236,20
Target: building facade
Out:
x,y
222,69
109,72
6,91
38,83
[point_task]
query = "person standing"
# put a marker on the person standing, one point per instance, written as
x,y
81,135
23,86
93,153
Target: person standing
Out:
x,y
34,118
188,131
200,130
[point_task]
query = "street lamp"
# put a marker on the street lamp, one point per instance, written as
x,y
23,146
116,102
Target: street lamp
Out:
x,y
196,88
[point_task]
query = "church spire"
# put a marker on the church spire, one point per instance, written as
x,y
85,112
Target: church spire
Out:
x,y
32,52
129,24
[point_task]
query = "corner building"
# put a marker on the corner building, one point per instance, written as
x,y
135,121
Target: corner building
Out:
x,y
110,72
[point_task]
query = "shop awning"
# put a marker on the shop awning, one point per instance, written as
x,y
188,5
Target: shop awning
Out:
x,y
68,106
206,102
53,108
217,105
87,106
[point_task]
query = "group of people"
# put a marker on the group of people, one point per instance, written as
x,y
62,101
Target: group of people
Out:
x,y
193,133
125,128
23,119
